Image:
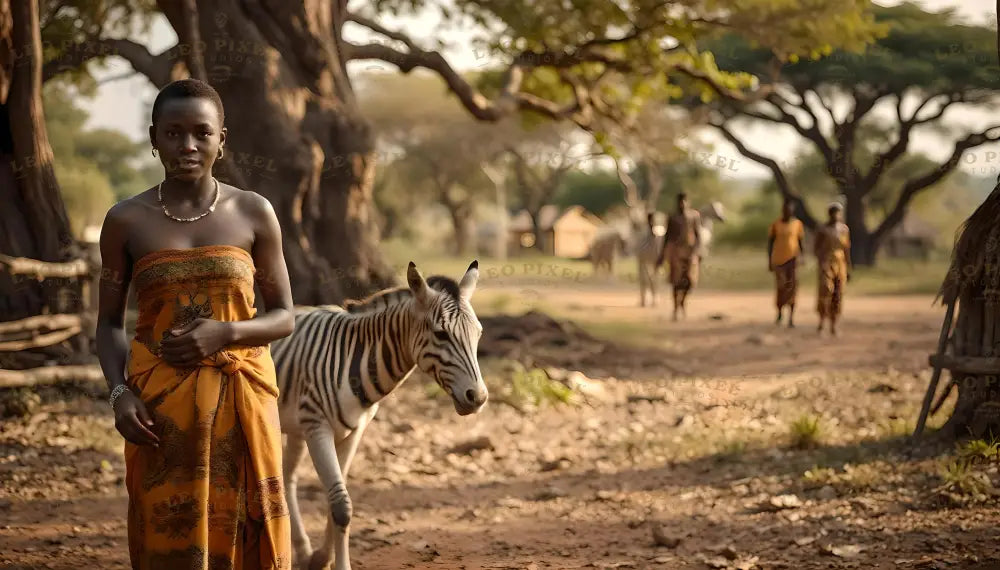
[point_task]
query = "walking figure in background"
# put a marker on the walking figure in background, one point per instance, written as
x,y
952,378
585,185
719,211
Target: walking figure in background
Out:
x,y
833,254
680,251
784,246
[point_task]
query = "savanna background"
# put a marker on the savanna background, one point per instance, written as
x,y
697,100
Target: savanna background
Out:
x,y
521,134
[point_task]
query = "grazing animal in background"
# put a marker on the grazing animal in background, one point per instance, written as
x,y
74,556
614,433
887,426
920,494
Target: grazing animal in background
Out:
x,y
338,364
604,251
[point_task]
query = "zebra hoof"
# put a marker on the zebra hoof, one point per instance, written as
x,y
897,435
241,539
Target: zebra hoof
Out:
x,y
303,558
320,561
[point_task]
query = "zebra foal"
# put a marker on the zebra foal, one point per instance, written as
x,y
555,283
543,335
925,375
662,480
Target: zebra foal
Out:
x,y
338,364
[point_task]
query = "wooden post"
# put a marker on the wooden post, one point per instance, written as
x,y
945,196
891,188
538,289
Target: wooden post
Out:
x,y
932,388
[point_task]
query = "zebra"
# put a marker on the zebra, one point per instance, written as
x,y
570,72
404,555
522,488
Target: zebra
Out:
x,y
647,250
604,249
710,214
338,363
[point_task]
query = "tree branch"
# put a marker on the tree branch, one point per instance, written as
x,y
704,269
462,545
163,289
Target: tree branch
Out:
x,y
380,29
779,176
155,67
887,158
195,59
725,92
632,198
914,186
826,107
811,133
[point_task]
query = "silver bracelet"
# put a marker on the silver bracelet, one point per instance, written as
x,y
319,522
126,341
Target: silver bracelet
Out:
x,y
116,393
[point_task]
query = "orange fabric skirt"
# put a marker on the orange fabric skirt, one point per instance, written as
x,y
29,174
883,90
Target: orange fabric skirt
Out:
x,y
786,283
211,497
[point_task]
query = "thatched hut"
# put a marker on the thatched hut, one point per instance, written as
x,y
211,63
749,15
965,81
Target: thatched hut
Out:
x,y
971,350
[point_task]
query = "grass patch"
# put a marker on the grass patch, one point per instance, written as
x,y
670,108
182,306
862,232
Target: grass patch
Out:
x,y
806,432
499,303
525,389
960,477
733,448
725,269
622,332
900,427
852,478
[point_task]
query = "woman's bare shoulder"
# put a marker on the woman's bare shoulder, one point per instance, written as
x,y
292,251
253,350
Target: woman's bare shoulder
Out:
x,y
251,204
129,212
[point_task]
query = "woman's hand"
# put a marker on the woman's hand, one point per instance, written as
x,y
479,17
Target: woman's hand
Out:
x,y
194,341
132,420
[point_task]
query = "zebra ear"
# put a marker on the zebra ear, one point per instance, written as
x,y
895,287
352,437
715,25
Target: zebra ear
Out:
x,y
468,284
417,283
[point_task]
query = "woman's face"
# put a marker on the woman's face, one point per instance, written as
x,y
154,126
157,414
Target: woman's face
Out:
x,y
834,215
188,135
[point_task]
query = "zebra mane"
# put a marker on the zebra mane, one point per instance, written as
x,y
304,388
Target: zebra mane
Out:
x,y
389,297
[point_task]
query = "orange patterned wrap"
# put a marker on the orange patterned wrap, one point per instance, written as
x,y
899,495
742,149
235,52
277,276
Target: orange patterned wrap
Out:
x,y
211,496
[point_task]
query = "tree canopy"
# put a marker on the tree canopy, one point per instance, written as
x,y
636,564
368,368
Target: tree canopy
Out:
x,y
282,71
924,64
95,167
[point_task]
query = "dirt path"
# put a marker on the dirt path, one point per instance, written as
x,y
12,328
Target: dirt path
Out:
x,y
705,462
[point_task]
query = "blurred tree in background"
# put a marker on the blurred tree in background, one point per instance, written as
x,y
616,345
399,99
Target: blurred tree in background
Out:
x,y
290,102
95,167
924,65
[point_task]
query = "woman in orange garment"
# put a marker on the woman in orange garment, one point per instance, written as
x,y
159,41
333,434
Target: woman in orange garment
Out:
x,y
194,391
784,246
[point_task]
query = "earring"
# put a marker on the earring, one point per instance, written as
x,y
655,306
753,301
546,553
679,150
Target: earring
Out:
x,y
154,151
220,153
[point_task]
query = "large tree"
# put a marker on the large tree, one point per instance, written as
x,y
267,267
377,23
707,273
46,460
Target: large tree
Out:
x,y
297,135
437,148
923,66
33,220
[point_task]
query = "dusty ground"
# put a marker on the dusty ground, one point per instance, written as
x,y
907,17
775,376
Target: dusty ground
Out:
x,y
692,445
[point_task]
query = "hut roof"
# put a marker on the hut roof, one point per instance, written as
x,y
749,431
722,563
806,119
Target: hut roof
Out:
x,y
975,260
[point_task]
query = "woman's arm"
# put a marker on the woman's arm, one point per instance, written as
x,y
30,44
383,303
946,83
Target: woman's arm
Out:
x,y
116,274
131,418
202,337
278,319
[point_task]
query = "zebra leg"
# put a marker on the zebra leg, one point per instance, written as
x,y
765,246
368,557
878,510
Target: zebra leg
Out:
x,y
652,285
337,536
295,448
323,451
643,285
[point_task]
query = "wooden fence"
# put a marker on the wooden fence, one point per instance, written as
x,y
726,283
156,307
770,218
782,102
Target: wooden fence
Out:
x,y
47,330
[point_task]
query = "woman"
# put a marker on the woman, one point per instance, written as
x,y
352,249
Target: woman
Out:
x,y
833,253
194,392
784,245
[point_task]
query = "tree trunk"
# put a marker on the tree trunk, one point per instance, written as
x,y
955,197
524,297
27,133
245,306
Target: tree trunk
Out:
x,y
33,220
461,222
297,137
864,249
864,245
535,214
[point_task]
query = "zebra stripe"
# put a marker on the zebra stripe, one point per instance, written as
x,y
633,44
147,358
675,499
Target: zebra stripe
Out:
x,y
337,365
